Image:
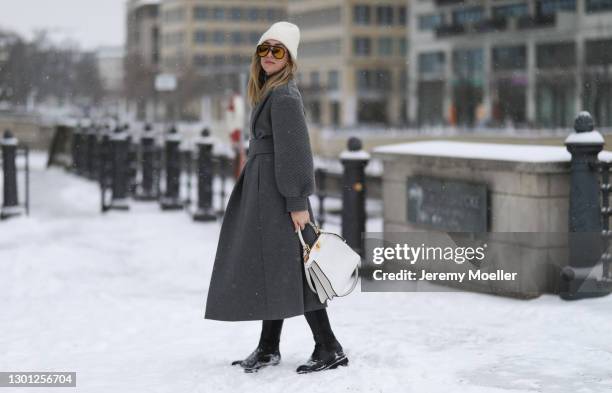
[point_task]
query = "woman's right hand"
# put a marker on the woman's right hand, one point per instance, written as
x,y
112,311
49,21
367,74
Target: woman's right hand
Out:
x,y
300,219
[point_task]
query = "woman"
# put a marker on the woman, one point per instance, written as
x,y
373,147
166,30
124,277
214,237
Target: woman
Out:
x,y
258,272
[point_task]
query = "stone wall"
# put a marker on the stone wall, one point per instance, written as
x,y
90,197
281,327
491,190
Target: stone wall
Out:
x,y
524,196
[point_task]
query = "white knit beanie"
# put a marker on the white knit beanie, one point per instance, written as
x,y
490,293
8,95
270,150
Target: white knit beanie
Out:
x,y
285,32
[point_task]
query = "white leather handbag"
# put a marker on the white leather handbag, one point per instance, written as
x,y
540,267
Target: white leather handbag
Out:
x,y
331,265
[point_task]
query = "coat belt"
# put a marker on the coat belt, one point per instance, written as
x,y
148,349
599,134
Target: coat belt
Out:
x,y
260,146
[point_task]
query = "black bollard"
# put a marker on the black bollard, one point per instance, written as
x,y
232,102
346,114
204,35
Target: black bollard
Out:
x,y
170,200
223,165
105,166
187,168
119,148
579,279
82,151
320,176
97,151
149,166
91,143
10,202
354,194
76,146
205,210
132,165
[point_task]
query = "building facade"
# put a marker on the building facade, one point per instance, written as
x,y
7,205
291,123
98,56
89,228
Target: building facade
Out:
x,y
208,44
510,62
142,57
352,60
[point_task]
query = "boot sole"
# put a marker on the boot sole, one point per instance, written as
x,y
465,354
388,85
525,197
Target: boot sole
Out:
x,y
260,366
340,362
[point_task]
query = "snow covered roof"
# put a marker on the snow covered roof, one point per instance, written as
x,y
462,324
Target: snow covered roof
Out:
x,y
484,151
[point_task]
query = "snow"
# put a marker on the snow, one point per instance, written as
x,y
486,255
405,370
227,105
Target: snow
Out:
x,y
8,141
354,155
119,299
590,137
374,166
484,151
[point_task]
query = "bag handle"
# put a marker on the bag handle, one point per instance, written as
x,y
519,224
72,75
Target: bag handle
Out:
x,y
304,245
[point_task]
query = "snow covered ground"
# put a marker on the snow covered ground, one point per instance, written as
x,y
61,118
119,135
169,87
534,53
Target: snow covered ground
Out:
x,y
119,299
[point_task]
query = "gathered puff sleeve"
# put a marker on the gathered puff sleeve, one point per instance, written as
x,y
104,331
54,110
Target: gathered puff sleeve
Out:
x,y
293,161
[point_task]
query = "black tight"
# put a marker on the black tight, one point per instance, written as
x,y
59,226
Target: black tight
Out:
x,y
319,325
317,320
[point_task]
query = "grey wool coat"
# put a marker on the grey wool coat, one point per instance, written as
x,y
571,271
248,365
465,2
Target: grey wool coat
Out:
x,y
258,270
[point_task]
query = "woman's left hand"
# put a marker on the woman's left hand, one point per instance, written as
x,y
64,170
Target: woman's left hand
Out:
x,y
300,219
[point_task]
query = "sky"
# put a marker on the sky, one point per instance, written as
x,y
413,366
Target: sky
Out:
x,y
91,23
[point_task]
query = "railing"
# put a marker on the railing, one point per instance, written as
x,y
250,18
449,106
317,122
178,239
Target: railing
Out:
x,y
604,168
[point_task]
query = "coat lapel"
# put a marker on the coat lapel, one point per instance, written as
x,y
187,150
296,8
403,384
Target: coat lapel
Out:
x,y
256,111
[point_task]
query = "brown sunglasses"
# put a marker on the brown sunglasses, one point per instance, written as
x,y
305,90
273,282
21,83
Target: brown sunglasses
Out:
x,y
277,51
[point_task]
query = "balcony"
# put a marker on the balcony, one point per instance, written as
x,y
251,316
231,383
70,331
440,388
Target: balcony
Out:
x,y
447,2
535,21
483,26
490,25
450,30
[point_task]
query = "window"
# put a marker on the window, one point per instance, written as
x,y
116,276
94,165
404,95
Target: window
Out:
x,y
335,113
403,46
237,37
510,10
429,21
402,16
219,37
403,81
468,63
219,13
201,60
254,37
559,55
548,7
219,60
598,52
314,78
598,5
199,36
361,14
200,13
373,79
333,80
384,15
361,46
236,13
385,46
509,58
253,14
431,62
365,79
467,15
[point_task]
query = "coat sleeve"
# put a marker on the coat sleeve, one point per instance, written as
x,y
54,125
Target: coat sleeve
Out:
x,y
293,161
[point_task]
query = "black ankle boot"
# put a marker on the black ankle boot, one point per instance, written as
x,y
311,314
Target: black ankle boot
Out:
x,y
323,358
259,358
266,353
328,352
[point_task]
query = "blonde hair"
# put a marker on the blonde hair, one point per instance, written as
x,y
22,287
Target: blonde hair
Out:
x,y
256,90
